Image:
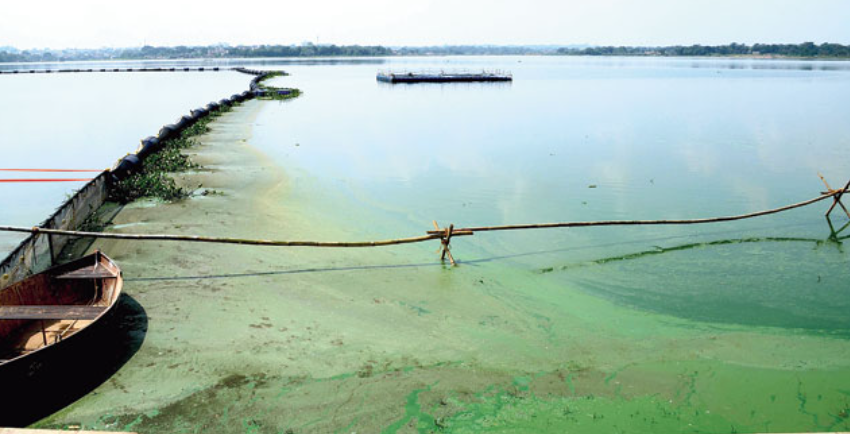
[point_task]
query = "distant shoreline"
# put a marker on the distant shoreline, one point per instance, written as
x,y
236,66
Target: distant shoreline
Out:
x,y
336,58
716,56
803,51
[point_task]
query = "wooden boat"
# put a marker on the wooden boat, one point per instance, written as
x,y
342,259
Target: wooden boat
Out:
x,y
60,337
46,313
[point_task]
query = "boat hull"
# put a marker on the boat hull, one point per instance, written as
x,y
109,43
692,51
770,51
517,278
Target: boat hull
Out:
x,y
50,379
45,376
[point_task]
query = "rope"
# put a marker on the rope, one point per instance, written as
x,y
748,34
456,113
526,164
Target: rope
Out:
x,y
47,180
222,240
444,235
51,170
825,195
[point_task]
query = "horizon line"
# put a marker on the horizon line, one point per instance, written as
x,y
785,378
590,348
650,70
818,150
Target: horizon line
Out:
x,y
417,46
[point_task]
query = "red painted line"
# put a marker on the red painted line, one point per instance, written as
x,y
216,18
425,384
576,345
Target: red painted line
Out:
x,y
46,180
50,170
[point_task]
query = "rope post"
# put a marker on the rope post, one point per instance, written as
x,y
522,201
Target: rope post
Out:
x,y
834,235
836,200
447,246
836,196
445,240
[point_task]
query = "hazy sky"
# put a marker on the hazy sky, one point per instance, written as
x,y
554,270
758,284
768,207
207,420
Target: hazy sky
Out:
x,y
98,23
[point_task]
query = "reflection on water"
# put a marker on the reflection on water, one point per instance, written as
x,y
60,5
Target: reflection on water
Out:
x,y
661,250
719,281
577,139
835,239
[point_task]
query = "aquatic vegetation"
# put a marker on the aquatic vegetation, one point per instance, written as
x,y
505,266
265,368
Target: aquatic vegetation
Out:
x,y
272,74
153,180
147,184
280,94
276,93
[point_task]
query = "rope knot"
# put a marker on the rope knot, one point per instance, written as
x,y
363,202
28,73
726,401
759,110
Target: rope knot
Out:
x,y
445,240
836,196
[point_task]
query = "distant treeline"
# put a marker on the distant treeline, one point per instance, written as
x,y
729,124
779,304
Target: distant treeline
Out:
x,y
473,50
186,52
308,51
807,49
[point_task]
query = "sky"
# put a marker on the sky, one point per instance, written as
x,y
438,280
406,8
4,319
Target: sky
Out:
x,y
111,23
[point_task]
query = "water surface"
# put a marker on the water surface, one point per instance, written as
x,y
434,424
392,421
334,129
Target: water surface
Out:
x,y
85,121
734,327
585,139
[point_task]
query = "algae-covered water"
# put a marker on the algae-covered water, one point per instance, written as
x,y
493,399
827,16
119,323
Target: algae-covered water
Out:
x,y
587,139
734,327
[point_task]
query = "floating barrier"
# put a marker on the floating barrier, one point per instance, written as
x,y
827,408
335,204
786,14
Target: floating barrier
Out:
x,y
126,167
186,121
147,147
199,112
249,71
64,71
167,132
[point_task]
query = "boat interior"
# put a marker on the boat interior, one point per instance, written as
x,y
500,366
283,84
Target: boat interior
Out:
x,y
51,306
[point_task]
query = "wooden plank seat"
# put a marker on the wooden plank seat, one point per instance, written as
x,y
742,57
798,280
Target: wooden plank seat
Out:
x,y
91,272
50,312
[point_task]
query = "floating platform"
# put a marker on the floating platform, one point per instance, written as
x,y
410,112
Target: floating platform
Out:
x,y
442,76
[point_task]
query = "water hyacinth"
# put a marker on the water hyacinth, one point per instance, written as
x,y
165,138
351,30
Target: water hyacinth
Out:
x,y
154,180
